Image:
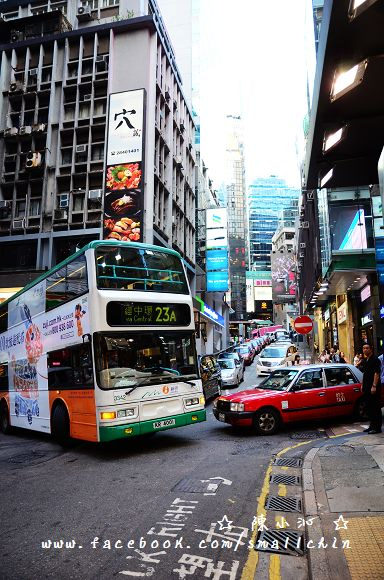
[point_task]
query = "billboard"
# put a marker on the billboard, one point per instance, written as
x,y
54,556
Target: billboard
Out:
x,y
217,238
283,277
124,192
217,218
216,260
348,227
217,281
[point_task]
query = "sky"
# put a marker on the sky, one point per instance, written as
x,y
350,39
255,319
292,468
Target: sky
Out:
x,y
254,57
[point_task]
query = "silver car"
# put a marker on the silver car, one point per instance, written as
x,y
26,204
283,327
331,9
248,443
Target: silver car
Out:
x,y
231,373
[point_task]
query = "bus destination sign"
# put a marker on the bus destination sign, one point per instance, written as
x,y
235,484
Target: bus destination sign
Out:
x,y
147,314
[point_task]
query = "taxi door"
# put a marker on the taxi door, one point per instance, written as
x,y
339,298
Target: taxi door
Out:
x,y
307,399
342,390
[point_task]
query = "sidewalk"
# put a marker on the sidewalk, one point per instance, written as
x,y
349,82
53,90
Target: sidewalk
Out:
x,y
345,477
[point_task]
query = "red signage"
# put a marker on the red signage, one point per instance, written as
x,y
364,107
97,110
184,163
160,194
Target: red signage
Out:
x,y
303,324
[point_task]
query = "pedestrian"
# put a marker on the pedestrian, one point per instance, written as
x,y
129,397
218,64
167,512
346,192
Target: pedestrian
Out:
x,y
372,390
323,357
381,359
358,361
343,358
334,357
297,359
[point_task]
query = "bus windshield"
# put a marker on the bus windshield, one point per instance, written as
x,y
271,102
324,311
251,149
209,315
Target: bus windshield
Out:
x,y
131,359
129,268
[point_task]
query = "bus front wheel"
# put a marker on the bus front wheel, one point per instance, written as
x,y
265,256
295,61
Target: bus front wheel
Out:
x,y
60,425
5,425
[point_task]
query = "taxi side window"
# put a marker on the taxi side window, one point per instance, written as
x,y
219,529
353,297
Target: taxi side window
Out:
x,y
310,380
339,376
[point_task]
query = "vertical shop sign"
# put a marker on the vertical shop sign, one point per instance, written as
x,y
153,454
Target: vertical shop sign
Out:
x,y
124,186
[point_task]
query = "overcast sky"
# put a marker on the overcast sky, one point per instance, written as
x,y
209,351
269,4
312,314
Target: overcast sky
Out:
x,y
254,58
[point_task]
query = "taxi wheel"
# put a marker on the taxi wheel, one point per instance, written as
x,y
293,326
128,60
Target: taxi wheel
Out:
x,y
360,411
266,421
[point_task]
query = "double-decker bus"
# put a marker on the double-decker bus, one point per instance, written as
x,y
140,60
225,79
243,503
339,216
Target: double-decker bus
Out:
x,y
102,346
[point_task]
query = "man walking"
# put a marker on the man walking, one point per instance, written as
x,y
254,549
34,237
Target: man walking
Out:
x,y
372,389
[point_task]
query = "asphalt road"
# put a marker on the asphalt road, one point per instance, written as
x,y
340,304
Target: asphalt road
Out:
x,y
156,506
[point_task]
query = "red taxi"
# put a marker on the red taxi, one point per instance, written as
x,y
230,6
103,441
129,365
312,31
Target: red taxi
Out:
x,y
295,394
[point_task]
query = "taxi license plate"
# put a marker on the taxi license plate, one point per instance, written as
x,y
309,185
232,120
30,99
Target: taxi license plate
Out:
x,y
164,423
222,417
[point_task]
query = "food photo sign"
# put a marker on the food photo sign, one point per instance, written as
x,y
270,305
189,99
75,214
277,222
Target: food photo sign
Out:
x,y
124,193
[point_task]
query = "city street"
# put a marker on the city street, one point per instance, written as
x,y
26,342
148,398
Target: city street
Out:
x,y
142,507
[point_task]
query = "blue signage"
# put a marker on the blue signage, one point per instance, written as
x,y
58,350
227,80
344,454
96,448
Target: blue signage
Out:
x,y
379,250
217,281
217,260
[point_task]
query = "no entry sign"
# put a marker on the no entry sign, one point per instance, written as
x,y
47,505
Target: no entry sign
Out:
x,y
303,324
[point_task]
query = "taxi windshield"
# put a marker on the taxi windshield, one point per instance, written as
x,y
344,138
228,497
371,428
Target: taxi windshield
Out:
x,y
278,380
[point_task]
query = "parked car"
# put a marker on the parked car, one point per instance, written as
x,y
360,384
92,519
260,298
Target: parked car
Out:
x,y
295,394
210,374
256,342
246,353
231,373
275,355
235,356
281,334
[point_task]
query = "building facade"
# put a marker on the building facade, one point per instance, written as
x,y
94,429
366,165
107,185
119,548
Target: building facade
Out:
x,y
267,198
60,62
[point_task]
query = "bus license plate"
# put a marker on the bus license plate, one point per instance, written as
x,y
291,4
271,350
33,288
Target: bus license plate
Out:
x,y
222,417
164,423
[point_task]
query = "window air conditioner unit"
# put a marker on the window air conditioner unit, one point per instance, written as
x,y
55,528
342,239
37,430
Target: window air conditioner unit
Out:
x,y
167,94
18,224
81,148
63,200
95,193
179,160
182,125
84,13
302,245
33,160
87,97
33,72
27,130
39,127
304,225
60,215
11,132
309,195
16,35
15,87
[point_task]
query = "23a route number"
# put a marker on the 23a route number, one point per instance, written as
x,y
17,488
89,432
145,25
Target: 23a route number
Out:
x,y
163,314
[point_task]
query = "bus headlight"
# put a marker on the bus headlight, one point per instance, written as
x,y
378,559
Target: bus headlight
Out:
x,y
125,413
193,401
202,400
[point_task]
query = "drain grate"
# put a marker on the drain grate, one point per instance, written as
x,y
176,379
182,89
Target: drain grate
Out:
x,y
308,435
283,504
280,542
285,479
288,462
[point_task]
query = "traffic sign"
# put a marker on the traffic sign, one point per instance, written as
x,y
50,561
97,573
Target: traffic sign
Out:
x,y
303,324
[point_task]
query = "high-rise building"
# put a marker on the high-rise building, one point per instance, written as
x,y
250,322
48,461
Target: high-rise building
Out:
x,y
60,62
237,218
317,19
267,197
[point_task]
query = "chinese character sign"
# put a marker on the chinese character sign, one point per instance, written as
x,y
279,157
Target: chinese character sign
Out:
x,y
123,206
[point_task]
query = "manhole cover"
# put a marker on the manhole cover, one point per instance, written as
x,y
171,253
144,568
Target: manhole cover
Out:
x,y
196,486
307,435
283,504
280,542
285,479
288,462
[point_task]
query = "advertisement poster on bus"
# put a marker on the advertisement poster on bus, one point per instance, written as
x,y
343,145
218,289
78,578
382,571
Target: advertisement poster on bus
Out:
x,y
123,201
24,347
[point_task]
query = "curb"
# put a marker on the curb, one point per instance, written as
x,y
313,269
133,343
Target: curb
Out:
x,y
317,560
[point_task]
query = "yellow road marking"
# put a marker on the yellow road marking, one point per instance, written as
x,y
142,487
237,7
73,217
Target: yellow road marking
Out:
x,y
282,489
253,556
274,567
